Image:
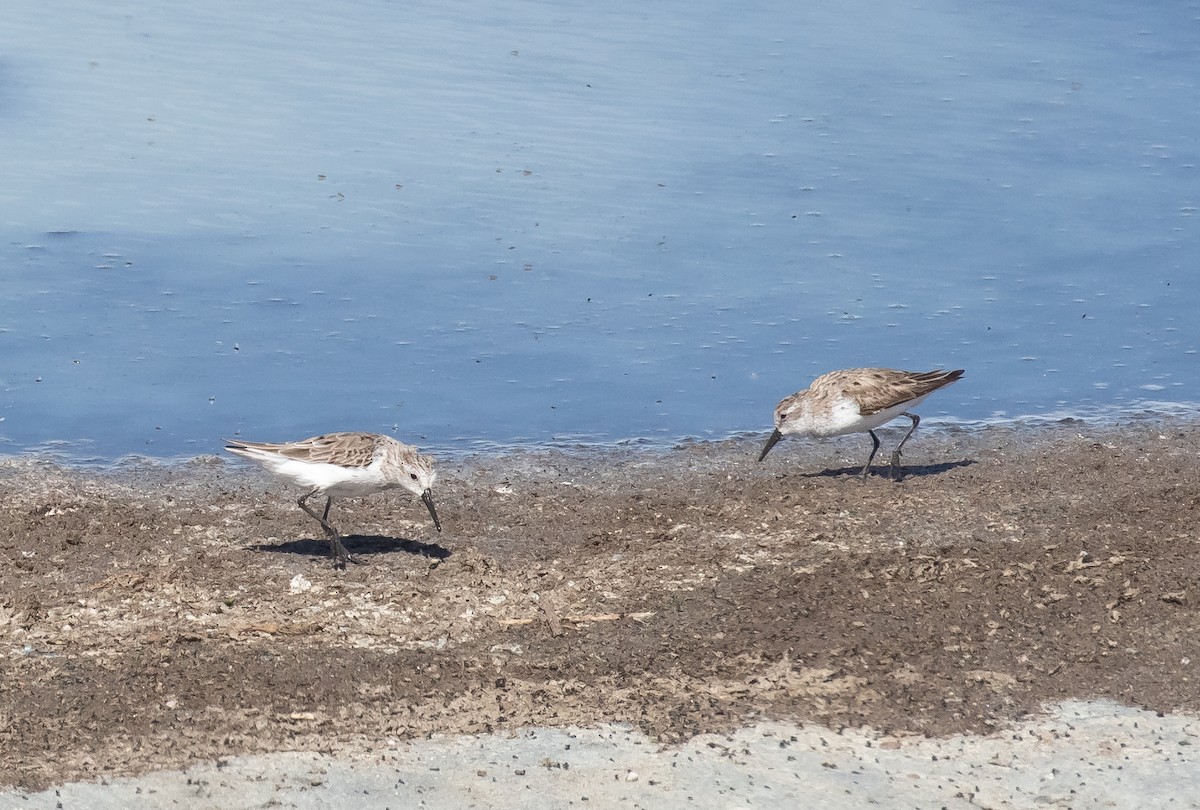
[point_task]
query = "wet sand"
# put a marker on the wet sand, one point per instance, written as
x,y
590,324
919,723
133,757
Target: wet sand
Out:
x,y
165,616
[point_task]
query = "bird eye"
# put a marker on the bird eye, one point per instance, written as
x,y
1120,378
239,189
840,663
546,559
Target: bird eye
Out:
x,y
783,416
413,476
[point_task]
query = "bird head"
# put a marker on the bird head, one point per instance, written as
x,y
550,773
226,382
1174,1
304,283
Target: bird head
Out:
x,y
417,477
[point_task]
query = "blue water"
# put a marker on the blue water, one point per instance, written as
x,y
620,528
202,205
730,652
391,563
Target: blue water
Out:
x,y
528,222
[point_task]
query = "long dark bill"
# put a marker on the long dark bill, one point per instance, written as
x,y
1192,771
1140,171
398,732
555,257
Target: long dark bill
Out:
x,y
771,442
427,497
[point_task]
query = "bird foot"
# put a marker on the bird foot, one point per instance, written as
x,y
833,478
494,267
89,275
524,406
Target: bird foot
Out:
x,y
340,555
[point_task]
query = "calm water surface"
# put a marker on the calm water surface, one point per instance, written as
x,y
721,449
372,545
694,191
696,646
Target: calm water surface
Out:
x,y
551,223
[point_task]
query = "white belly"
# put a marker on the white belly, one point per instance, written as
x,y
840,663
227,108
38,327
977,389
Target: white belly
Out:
x,y
330,479
843,417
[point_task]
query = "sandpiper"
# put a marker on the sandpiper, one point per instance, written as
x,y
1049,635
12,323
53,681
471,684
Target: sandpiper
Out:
x,y
857,400
344,465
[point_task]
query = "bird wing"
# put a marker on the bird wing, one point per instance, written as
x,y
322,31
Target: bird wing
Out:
x,y
878,389
343,449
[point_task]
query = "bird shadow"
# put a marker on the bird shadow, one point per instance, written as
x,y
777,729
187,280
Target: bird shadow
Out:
x,y
881,470
358,545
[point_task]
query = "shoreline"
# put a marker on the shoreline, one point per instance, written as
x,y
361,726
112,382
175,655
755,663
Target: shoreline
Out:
x,y
688,592
63,452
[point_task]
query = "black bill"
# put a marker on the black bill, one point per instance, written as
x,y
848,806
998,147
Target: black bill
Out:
x,y
427,497
771,442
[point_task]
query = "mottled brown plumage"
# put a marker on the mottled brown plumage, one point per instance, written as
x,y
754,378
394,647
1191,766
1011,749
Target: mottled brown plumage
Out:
x,y
857,400
343,449
877,389
341,465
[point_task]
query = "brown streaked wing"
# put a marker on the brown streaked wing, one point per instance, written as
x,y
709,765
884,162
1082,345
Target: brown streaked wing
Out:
x,y
343,449
877,389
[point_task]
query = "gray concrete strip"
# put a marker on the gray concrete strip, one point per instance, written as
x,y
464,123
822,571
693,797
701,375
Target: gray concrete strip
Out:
x,y
1079,755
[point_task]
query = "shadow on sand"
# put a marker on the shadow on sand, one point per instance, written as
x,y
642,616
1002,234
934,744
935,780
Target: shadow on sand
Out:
x,y
881,470
359,545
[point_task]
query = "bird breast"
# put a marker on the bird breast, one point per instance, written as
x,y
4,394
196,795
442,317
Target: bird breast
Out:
x,y
332,479
831,416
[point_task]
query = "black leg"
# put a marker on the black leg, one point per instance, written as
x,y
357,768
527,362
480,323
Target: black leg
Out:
x,y
874,449
322,519
340,555
894,470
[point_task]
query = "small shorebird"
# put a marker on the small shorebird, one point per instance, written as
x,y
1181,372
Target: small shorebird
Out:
x,y
857,400
344,465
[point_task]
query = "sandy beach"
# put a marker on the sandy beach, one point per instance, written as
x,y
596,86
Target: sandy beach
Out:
x,y
176,616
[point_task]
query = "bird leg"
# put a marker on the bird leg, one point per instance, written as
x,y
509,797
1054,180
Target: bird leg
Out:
x,y
322,519
894,470
875,449
340,555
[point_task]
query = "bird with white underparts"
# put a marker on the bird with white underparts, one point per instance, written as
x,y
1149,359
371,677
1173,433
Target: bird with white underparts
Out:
x,y
344,465
857,400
